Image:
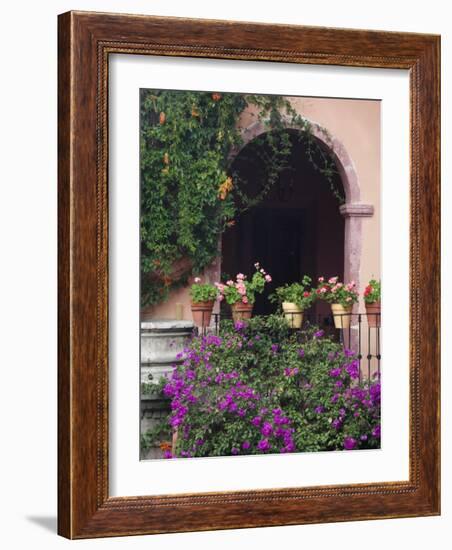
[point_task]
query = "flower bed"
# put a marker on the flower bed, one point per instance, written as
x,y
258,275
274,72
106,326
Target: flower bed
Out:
x,y
256,388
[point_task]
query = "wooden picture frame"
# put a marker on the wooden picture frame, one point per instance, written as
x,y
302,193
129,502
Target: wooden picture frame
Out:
x,y
85,508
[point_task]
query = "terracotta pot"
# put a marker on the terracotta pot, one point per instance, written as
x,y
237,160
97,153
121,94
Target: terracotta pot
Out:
x,y
373,312
202,312
241,311
293,314
341,315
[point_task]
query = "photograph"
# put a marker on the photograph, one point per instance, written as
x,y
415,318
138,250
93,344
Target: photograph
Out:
x,y
260,285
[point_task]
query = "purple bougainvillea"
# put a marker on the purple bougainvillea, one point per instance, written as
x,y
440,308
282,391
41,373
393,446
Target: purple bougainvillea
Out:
x,y
257,388
350,443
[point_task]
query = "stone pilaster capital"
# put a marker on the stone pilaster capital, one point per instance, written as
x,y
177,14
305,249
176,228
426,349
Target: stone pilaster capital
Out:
x,y
356,210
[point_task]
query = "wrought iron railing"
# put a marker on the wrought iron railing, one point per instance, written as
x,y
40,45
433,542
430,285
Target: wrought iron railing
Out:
x,y
359,332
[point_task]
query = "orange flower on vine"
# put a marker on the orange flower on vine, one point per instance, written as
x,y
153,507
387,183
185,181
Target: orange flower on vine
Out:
x,y
225,188
165,446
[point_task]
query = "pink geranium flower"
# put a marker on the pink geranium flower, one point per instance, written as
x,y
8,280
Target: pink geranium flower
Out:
x,y
220,287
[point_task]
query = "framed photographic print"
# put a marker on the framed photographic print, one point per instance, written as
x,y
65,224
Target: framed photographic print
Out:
x,y
248,275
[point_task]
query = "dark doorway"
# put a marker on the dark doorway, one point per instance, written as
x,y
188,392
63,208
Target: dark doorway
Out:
x,y
295,230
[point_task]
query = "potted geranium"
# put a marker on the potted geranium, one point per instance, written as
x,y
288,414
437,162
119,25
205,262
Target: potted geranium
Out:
x,y
341,296
372,301
294,299
203,296
241,293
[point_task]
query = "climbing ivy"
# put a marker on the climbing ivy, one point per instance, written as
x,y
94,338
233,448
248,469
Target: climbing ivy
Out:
x,y
190,191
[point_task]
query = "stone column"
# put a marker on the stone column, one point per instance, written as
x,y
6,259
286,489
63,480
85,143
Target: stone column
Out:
x,y
353,213
161,341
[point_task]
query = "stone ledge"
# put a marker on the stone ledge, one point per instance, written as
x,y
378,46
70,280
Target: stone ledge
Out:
x,y
166,325
356,210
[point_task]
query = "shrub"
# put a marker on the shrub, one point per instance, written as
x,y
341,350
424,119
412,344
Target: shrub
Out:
x,y
372,292
300,294
335,292
256,389
242,290
202,292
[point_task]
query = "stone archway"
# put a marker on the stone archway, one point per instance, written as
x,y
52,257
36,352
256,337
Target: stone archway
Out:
x,y
352,210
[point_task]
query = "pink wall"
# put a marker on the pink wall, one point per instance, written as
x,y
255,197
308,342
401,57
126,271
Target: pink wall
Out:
x,y
356,124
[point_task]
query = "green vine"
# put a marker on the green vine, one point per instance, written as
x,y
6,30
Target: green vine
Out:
x,y
190,191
